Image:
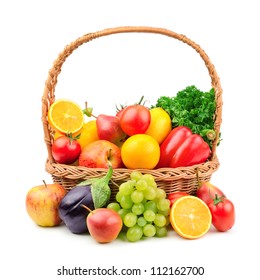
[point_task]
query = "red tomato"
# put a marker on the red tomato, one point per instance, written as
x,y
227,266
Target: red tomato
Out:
x,y
207,192
175,195
65,150
223,213
135,119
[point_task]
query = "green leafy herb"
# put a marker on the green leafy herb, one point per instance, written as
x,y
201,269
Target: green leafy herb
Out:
x,y
192,108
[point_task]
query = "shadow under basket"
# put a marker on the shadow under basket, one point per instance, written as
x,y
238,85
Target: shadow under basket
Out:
x,y
170,179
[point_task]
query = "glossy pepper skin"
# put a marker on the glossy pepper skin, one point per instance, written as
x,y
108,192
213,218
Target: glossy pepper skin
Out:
x,y
171,144
181,148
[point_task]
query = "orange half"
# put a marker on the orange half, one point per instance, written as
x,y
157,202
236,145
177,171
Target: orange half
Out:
x,y
190,217
66,116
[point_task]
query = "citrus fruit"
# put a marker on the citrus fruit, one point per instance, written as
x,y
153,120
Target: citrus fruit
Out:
x,y
88,133
140,151
65,116
190,217
160,125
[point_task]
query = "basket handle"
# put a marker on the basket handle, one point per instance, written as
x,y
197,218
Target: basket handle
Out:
x,y
49,90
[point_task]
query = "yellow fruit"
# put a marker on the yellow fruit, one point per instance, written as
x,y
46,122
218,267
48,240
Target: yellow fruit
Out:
x,y
88,134
160,125
190,217
140,151
65,116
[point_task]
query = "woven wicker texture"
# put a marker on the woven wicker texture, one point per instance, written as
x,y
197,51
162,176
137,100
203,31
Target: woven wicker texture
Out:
x,y
170,179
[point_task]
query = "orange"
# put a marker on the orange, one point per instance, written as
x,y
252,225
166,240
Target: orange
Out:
x,y
140,151
66,116
160,125
190,217
88,134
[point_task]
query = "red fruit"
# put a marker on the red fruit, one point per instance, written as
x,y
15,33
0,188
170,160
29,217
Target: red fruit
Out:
x,y
207,192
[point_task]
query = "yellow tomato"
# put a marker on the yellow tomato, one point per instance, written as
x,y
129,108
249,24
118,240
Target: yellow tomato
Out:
x,y
160,125
88,134
140,151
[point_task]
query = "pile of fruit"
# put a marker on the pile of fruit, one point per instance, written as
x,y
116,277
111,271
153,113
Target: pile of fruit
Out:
x,y
176,132
135,137
140,210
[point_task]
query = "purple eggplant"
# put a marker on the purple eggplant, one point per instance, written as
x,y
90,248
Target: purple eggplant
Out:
x,y
93,193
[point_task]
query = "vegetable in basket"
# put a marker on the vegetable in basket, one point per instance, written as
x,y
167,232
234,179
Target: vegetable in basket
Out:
x,y
194,109
181,148
93,193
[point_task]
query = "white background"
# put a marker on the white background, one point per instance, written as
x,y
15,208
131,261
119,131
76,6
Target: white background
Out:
x,y
119,71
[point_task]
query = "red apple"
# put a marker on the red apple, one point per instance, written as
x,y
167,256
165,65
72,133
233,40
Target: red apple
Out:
x,y
108,128
207,192
100,154
42,204
104,224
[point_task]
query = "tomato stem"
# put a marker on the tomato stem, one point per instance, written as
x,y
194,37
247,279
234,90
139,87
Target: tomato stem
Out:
x,y
218,199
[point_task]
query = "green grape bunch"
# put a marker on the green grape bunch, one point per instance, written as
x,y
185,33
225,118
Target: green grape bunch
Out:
x,y
142,206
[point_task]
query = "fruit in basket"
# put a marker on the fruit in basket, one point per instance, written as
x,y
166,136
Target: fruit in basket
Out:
x,y
42,204
160,125
65,149
88,134
223,213
140,151
104,224
93,193
171,144
66,116
190,217
101,154
135,119
207,192
108,128
181,148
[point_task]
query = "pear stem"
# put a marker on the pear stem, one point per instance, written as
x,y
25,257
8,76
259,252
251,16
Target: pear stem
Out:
x,y
86,207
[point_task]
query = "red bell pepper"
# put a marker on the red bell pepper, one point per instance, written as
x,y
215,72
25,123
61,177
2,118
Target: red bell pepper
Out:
x,y
181,148
171,144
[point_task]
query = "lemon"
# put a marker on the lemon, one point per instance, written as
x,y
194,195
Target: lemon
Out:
x,y
160,125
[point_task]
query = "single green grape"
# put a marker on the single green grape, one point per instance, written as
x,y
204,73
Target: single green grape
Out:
x,y
138,208
130,219
149,179
127,188
163,204
149,230
159,220
114,205
141,221
161,231
150,205
141,185
137,196
150,193
160,193
136,175
119,196
134,233
126,202
149,215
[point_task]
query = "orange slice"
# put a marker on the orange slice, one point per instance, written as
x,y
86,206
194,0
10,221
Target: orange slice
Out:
x,y
66,116
190,217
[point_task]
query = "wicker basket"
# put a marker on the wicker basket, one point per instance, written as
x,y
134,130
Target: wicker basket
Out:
x,y
169,179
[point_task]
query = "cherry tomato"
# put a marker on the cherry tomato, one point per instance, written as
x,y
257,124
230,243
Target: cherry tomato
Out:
x,y
135,119
223,213
65,150
175,195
